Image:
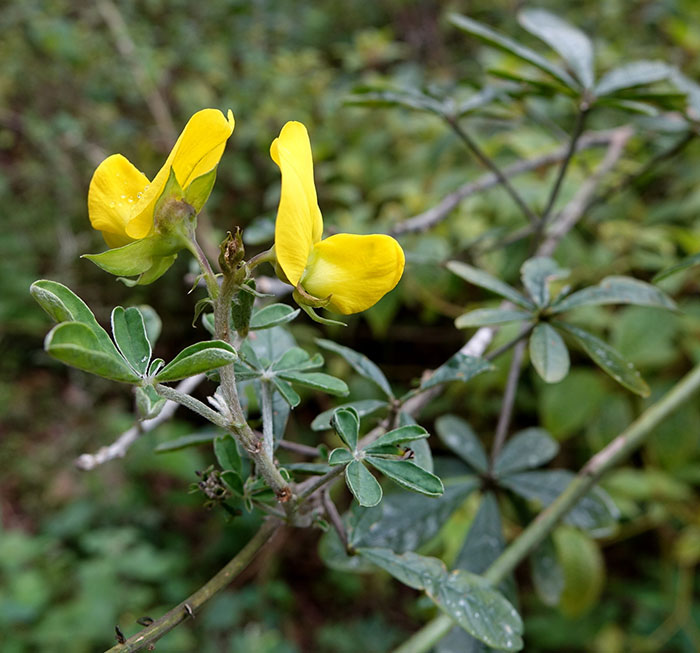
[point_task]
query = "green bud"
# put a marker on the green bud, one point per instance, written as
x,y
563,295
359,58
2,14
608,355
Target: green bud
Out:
x,y
232,252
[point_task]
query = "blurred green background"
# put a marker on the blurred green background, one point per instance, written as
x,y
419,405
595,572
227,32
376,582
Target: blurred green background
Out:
x,y
83,551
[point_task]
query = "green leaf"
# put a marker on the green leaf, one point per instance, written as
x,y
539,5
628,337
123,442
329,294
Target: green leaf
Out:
x,y
362,484
608,359
297,359
484,541
468,599
536,274
149,257
690,261
527,449
369,96
583,570
148,402
197,358
459,367
404,521
401,434
363,407
485,280
459,437
636,73
199,189
339,456
346,423
571,43
63,305
273,315
227,454
548,353
317,381
616,290
501,42
76,344
152,322
487,316
416,571
234,481
288,393
407,474
547,574
242,308
191,440
360,363
129,332
595,512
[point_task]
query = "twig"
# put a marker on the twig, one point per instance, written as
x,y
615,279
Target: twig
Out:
x,y
630,179
439,212
565,222
193,404
508,400
267,421
486,161
571,150
577,207
189,607
618,450
334,517
121,445
301,449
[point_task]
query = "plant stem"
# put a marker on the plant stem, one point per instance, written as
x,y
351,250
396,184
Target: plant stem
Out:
x,y
193,404
486,161
495,353
193,603
239,426
554,193
334,517
267,256
309,487
207,271
301,449
617,451
508,400
267,421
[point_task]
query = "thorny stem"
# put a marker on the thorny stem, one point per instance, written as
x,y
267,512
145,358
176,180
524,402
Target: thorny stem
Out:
x,y
486,161
617,451
508,400
191,605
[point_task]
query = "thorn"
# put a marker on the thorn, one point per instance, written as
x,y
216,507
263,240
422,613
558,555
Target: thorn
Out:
x,y
120,635
144,621
188,610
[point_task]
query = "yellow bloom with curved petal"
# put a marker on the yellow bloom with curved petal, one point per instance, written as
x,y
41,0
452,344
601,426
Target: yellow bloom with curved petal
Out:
x,y
353,272
121,199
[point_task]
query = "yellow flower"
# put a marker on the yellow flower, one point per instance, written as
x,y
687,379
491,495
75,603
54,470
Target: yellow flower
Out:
x,y
121,199
351,272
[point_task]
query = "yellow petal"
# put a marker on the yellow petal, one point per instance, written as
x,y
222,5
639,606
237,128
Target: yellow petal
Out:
x,y
357,271
114,190
197,151
299,223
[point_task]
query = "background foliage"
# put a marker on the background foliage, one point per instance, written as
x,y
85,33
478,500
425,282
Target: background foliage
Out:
x,y
80,82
